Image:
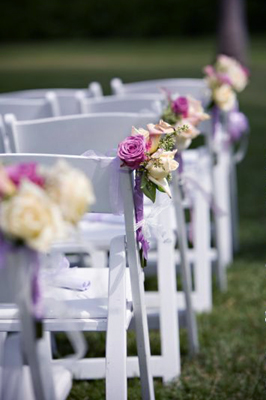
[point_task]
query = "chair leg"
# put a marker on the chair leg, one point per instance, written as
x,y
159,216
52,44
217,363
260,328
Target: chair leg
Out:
x,y
116,343
223,223
202,246
219,225
185,270
169,325
234,205
138,294
3,336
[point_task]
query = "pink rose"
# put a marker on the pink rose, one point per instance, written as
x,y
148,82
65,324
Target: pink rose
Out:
x,y
17,173
209,70
132,151
223,78
180,106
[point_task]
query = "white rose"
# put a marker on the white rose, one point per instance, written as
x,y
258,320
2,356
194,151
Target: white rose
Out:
x,y
234,70
159,167
224,97
238,78
184,138
70,189
31,216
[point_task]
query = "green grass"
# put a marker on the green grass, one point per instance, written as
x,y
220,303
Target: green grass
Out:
x,y
231,363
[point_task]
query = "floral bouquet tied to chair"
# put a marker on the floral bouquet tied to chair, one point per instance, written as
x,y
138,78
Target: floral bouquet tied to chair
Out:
x,y
151,153
226,78
185,110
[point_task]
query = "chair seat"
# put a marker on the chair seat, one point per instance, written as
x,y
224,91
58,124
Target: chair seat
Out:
x,y
64,306
99,234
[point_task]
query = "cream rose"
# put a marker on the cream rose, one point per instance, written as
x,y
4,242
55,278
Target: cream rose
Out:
x,y
31,216
155,133
224,97
184,138
159,167
196,112
70,189
234,70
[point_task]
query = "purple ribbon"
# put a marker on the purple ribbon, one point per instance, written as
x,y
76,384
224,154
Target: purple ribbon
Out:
x,y
139,215
237,125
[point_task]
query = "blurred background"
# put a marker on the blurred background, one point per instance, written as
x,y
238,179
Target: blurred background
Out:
x,y
66,43
69,43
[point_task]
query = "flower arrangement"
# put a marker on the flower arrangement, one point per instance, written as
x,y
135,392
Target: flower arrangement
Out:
x,y
151,152
39,205
226,78
184,110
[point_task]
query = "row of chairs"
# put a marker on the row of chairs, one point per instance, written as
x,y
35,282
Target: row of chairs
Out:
x,y
74,135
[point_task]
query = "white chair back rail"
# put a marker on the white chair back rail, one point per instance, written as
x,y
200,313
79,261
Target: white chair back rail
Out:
x,y
73,134
67,99
194,87
26,109
94,90
129,103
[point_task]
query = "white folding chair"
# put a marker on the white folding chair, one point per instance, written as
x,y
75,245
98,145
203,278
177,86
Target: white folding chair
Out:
x,y
182,87
37,379
129,103
66,98
108,304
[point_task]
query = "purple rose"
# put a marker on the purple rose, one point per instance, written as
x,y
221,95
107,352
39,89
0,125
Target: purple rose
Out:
x,y
17,173
132,151
180,106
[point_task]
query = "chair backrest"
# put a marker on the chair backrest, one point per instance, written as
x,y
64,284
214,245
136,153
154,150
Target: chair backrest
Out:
x,y
98,169
27,109
182,87
129,103
66,98
74,134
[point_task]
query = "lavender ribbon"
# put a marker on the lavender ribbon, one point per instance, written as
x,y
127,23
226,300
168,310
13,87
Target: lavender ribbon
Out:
x,y
237,125
179,159
139,215
7,247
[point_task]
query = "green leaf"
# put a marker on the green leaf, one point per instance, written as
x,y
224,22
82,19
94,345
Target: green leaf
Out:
x,y
144,181
150,190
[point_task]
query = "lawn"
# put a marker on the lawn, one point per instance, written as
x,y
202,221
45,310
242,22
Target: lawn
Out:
x,y
231,363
